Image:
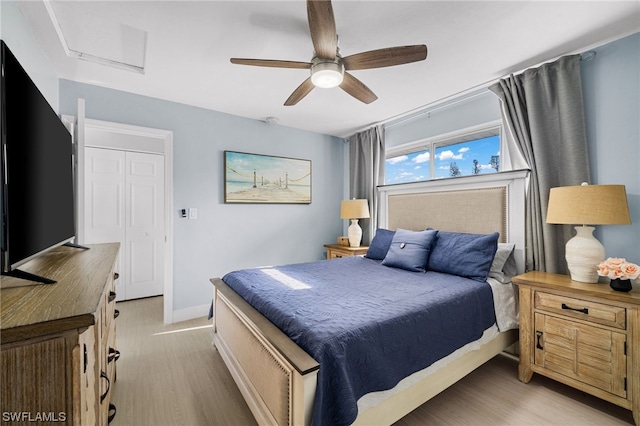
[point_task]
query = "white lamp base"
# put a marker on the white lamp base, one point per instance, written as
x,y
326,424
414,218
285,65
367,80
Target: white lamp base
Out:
x,y
355,233
583,253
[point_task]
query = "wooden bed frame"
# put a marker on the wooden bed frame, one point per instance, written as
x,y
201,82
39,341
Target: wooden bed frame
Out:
x,y
278,379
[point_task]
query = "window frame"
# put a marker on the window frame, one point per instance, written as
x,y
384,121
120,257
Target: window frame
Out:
x,y
432,143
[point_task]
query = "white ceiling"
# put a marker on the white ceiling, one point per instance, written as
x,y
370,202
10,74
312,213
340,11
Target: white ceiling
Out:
x,y
471,43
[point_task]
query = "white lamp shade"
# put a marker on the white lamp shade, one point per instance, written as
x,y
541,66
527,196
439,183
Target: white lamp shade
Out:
x,y
354,209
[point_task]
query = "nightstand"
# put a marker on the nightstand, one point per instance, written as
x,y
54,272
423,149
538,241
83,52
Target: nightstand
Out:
x,y
584,335
335,251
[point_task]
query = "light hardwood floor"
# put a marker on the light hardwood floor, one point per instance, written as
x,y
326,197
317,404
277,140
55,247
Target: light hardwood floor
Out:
x,y
172,375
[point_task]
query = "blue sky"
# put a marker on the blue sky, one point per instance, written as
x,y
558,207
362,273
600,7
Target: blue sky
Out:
x,y
415,167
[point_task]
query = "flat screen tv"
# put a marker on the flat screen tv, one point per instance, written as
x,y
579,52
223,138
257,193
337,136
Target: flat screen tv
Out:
x,y
37,201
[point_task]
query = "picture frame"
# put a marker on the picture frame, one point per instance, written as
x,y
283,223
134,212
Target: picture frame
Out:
x,y
266,179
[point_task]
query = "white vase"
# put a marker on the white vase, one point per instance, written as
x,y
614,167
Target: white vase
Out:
x,y
583,254
355,233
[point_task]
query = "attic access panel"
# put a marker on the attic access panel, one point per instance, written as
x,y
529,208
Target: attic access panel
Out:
x,y
89,37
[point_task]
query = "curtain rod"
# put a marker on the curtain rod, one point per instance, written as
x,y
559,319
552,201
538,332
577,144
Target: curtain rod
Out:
x,y
458,97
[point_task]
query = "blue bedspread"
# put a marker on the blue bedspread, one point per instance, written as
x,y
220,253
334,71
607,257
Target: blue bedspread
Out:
x,y
367,325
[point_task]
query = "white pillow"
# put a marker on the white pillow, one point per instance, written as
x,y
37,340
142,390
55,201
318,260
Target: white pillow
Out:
x,y
503,267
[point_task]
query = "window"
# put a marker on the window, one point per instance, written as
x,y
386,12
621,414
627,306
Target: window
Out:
x,y
468,152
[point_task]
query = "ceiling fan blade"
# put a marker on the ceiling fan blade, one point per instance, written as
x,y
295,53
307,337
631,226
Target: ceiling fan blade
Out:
x,y
385,57
322,26
271,63
302,91
357,89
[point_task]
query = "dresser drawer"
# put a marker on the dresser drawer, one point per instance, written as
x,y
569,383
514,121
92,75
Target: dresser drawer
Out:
x,y
599,313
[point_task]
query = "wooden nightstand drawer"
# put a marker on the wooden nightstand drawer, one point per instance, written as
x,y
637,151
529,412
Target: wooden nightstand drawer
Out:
x,y
599,313
336,255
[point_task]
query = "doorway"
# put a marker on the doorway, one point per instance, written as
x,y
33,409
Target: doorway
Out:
x,y
124,193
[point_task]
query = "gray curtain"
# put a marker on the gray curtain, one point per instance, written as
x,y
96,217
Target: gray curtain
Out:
x,y
366,172
543,110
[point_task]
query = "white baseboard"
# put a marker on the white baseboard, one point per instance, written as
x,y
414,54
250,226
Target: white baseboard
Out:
x,y
191,313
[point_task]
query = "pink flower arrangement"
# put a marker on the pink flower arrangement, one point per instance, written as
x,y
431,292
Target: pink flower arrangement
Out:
x,y
617,267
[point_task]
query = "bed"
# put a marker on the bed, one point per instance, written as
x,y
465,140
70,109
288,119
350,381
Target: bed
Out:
x,y
282,382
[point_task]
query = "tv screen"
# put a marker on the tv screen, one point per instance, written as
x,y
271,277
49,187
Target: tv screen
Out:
x,y
37,176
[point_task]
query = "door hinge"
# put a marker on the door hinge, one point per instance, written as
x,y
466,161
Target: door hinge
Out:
x,y
625,348
625,384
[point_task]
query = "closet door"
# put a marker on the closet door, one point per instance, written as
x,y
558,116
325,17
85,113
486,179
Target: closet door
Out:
x,y
124,202
104,202
144,234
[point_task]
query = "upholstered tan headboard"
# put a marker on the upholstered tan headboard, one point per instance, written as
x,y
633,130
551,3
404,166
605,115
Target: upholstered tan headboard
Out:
x,y
480,211
475,204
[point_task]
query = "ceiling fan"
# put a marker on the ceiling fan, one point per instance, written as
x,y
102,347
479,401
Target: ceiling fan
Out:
x,y
328,68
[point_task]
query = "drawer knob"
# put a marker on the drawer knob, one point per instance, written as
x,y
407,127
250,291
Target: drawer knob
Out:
x,y
583,310
112,296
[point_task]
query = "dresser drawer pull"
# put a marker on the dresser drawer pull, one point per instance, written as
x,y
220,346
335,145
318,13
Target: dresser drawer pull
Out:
x,y
114,355
112,412
116,275
538,337
103,375
112,296
583,310
116,313
86,357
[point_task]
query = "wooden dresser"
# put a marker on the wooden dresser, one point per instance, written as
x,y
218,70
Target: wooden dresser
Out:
x,y
584,335
58,341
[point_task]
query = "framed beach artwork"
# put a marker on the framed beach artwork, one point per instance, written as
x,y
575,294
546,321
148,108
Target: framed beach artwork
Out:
x,y
255,178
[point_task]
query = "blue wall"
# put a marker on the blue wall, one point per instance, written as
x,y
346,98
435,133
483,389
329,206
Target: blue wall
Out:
x,y
611,87
226,237
476,108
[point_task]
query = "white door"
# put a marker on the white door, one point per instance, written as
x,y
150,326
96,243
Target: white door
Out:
x,y
144,234
104,203
124,202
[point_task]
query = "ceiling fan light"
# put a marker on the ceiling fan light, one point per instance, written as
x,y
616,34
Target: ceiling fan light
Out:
x,y
327,74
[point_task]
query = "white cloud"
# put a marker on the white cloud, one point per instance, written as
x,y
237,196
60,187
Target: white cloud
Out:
x,y
448,155
422,158
463,150
396,160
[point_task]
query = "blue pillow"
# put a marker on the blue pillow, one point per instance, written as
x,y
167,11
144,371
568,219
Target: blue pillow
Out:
x,y
380,244
410,250
465,255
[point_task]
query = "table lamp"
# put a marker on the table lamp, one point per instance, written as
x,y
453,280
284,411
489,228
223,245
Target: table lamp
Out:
x,y
354,210
587,205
